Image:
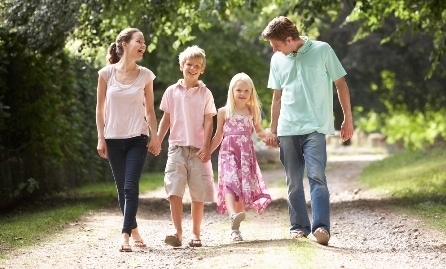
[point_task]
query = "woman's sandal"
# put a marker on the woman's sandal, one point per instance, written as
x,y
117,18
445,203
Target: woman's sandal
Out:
x,y
195,243
297,234
236,236
125,248
139,243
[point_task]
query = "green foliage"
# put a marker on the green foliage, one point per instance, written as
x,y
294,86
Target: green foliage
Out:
x,y
51,111
101,22
388,79
415,16
42,25
29,186
231,47
413,130
3,88
50,52
3,114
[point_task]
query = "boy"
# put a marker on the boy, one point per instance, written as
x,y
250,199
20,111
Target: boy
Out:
x,y
188,107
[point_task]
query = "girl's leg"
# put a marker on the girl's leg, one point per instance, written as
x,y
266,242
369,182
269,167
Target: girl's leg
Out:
x,y
237,218
239,207
230,203
235,210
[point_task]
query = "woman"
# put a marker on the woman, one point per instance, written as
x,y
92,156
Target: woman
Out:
x,y
125,116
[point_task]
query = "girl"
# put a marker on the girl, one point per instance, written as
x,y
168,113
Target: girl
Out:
x,y
124,113
240,183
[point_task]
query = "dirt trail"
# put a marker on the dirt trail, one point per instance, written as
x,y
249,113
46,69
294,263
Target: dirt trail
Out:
x,y
366,233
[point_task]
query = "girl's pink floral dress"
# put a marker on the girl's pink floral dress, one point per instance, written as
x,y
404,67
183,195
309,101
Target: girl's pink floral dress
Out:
x,y
238,170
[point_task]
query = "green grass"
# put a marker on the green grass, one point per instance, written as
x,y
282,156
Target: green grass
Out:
x,y
307,252
415,182
270,166
29,225
151,181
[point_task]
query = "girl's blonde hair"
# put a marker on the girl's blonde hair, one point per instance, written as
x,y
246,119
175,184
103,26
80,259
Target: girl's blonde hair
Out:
x,y
253,102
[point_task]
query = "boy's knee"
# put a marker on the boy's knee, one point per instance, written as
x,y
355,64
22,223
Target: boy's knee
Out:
x,y
174,198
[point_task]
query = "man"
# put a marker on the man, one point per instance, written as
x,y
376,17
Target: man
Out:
x,y
302,72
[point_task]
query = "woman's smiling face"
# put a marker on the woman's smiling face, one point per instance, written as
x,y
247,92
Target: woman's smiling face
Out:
x,y
137,45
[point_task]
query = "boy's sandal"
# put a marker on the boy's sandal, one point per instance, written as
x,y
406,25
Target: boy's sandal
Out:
x,y
236,236
173,240
322,236
125,248
195,243
236,220
297,234
139,243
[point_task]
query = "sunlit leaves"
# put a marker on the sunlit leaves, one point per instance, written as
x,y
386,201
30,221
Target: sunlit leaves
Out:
x,y
43,25
416,16
415,130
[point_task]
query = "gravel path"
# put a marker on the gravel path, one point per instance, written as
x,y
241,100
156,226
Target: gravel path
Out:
x,y
366,233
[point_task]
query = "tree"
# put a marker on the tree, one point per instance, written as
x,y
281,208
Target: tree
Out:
x,y
50,51
415,16
48,58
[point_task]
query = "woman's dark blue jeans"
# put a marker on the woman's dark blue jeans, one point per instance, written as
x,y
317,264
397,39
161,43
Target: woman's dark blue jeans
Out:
x,y
127,157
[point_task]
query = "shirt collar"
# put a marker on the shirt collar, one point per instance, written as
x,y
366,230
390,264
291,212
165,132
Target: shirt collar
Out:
x,y
307,44
181,85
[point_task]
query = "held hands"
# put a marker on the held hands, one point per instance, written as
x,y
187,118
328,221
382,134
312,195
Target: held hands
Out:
x,y
271,140
154,145
204,155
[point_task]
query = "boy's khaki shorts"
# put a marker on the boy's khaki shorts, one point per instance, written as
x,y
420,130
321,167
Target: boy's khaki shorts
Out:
x,y
183,169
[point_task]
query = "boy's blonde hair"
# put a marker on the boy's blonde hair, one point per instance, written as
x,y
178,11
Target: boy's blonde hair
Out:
x,y
192,52
253,102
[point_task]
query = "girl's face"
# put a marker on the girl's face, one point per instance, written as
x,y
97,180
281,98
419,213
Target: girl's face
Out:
x,y
242,92
137,46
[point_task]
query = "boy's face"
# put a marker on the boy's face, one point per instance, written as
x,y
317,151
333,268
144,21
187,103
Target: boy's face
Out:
x,y
192,68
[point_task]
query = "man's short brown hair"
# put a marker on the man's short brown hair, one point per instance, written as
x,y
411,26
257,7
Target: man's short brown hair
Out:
x,y
279,29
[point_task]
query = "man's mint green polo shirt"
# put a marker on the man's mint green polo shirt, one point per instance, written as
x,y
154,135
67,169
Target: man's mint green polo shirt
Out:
x,y
306,80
